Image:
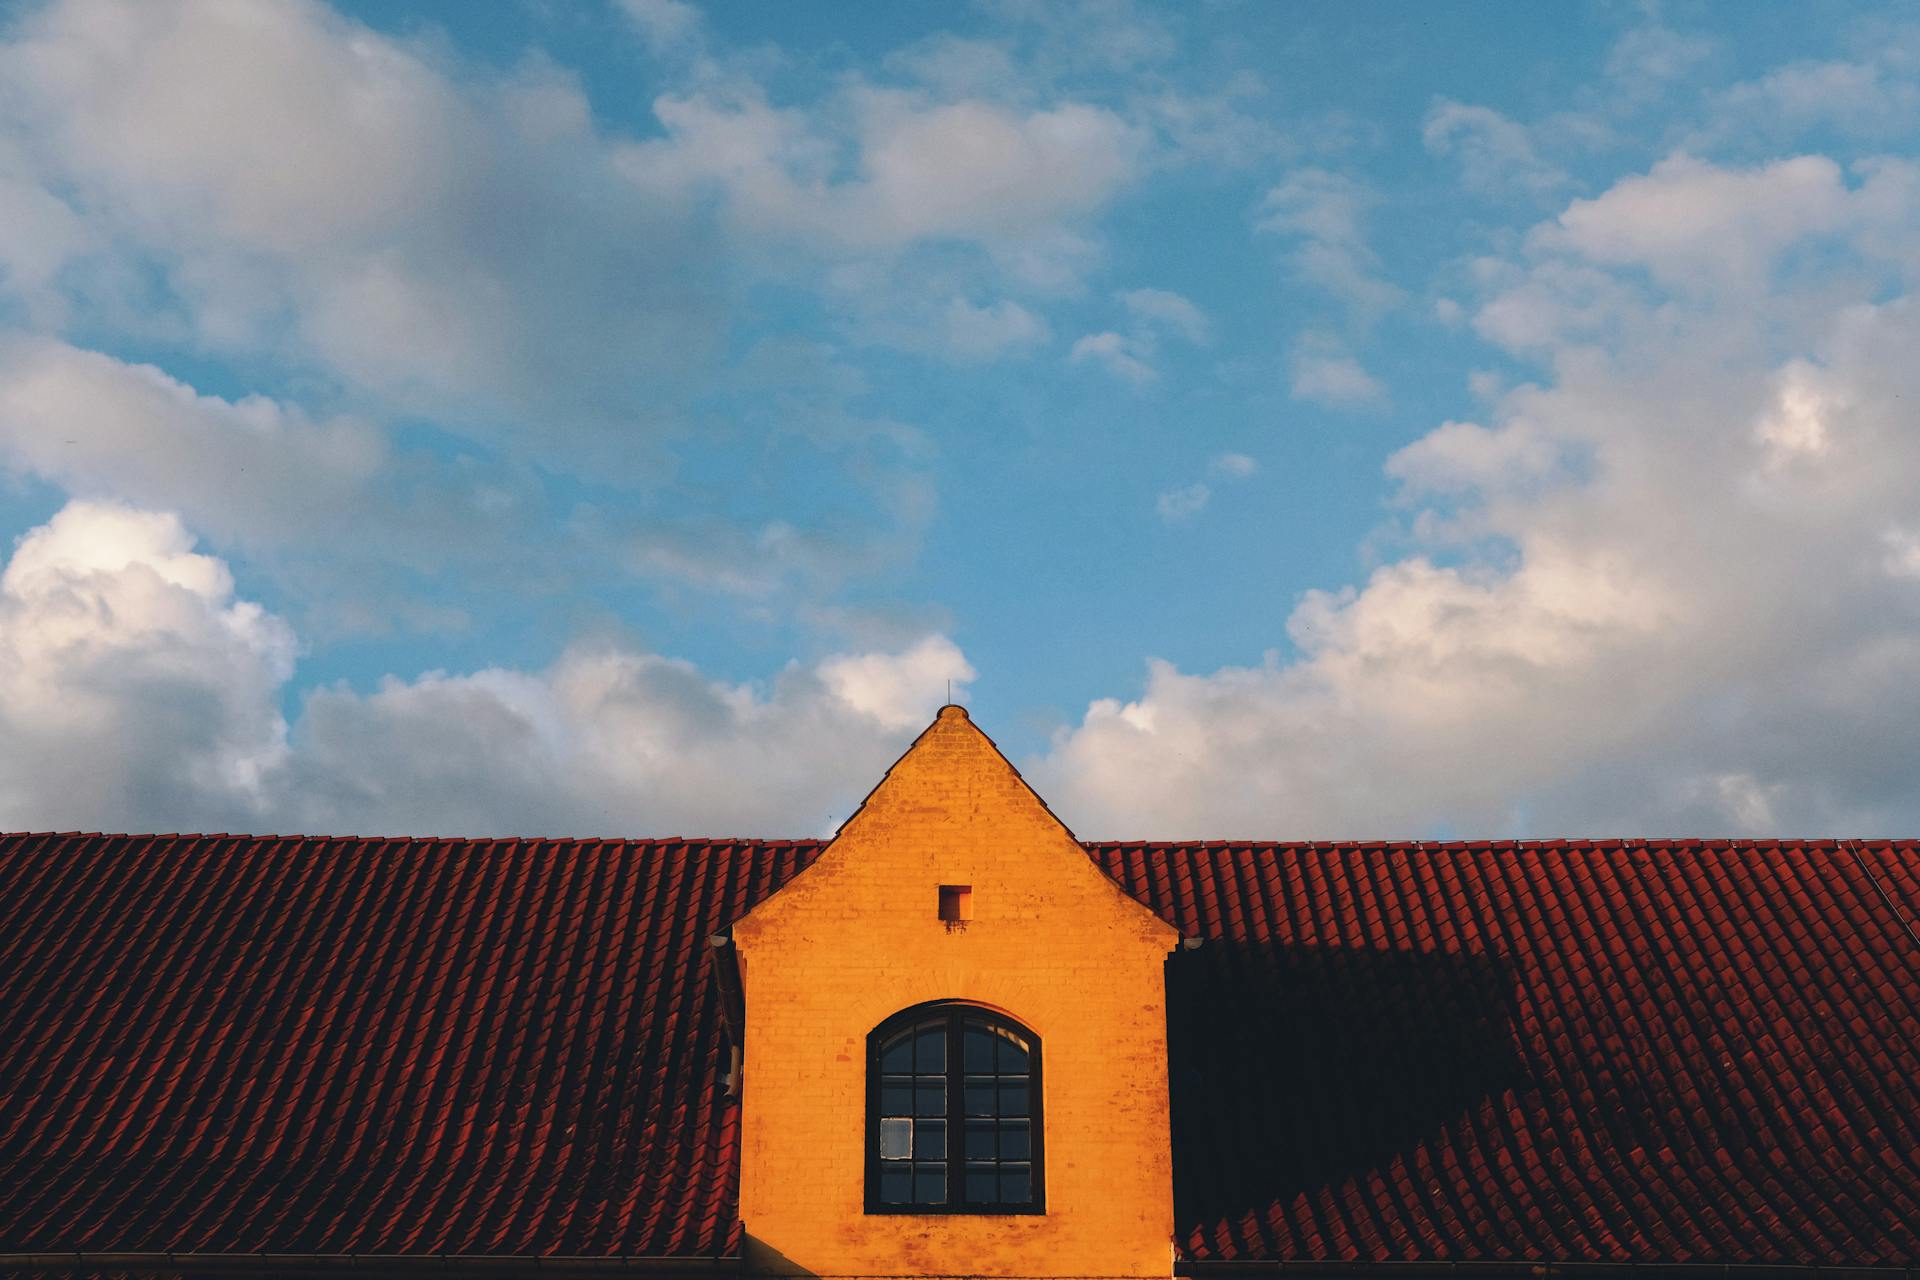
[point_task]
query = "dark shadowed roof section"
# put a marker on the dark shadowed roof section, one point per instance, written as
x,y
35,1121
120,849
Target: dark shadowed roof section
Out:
x,y
1510,1052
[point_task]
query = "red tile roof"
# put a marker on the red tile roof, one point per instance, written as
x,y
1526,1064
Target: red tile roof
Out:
x,y
1511,1051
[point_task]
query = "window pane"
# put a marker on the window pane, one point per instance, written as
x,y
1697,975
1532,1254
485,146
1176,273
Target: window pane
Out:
x,y
896,1139
921,1151
897,1053
930,1048
1013,1055
979,1055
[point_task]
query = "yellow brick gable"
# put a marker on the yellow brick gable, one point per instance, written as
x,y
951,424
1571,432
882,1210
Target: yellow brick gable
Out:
x,y
1052,942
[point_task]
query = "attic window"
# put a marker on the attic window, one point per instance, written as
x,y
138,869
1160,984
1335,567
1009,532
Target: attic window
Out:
x,y
956,903
953,1113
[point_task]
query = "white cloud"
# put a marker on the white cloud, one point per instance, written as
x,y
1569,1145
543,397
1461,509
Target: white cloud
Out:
x,y
1231,124
325,504
1902,552
451,240
667,24
1325,372
1120,355
1668,590
1166,310
1154,315
1324,213
335,198
1497,155
1092,35
1554,302
250,469
136,691
1184,503
1652,60
957,67
974,169
982,333
610,740
1648,59
42,235
1796,426
1465,457
899,690
969,171
1691,222
1869,96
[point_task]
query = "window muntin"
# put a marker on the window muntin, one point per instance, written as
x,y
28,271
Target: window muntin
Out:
x,y
953,1114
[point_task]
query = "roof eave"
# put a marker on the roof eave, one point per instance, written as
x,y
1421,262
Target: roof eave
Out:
x,y
373,1264
1461,1269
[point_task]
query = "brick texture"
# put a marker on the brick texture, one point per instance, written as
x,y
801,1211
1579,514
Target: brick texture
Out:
x,y
857,937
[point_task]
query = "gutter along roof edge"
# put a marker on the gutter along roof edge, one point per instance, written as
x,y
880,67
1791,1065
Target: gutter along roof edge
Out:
x,y
1218,1269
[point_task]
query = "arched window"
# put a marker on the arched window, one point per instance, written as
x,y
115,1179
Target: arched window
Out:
x,y
953,1113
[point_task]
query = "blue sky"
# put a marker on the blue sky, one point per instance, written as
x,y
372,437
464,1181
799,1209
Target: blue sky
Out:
x,y
1278,420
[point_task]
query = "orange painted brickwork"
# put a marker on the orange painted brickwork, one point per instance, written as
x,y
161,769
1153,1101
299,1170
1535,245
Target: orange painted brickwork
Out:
x,y
1052,942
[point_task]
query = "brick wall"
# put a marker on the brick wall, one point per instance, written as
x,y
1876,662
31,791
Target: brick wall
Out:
x,y
1052,942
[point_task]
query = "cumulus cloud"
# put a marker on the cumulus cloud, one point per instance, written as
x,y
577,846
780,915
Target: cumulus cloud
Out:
x,y
1465,457
445,240
612,741
894,688
1666,590
137,690
252,470
326,504
1689,221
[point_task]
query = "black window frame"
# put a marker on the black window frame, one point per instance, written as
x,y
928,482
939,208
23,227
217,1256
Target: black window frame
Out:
x,y
956,1013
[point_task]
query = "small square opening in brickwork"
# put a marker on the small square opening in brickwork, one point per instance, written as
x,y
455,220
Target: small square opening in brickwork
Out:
x,y
956,902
